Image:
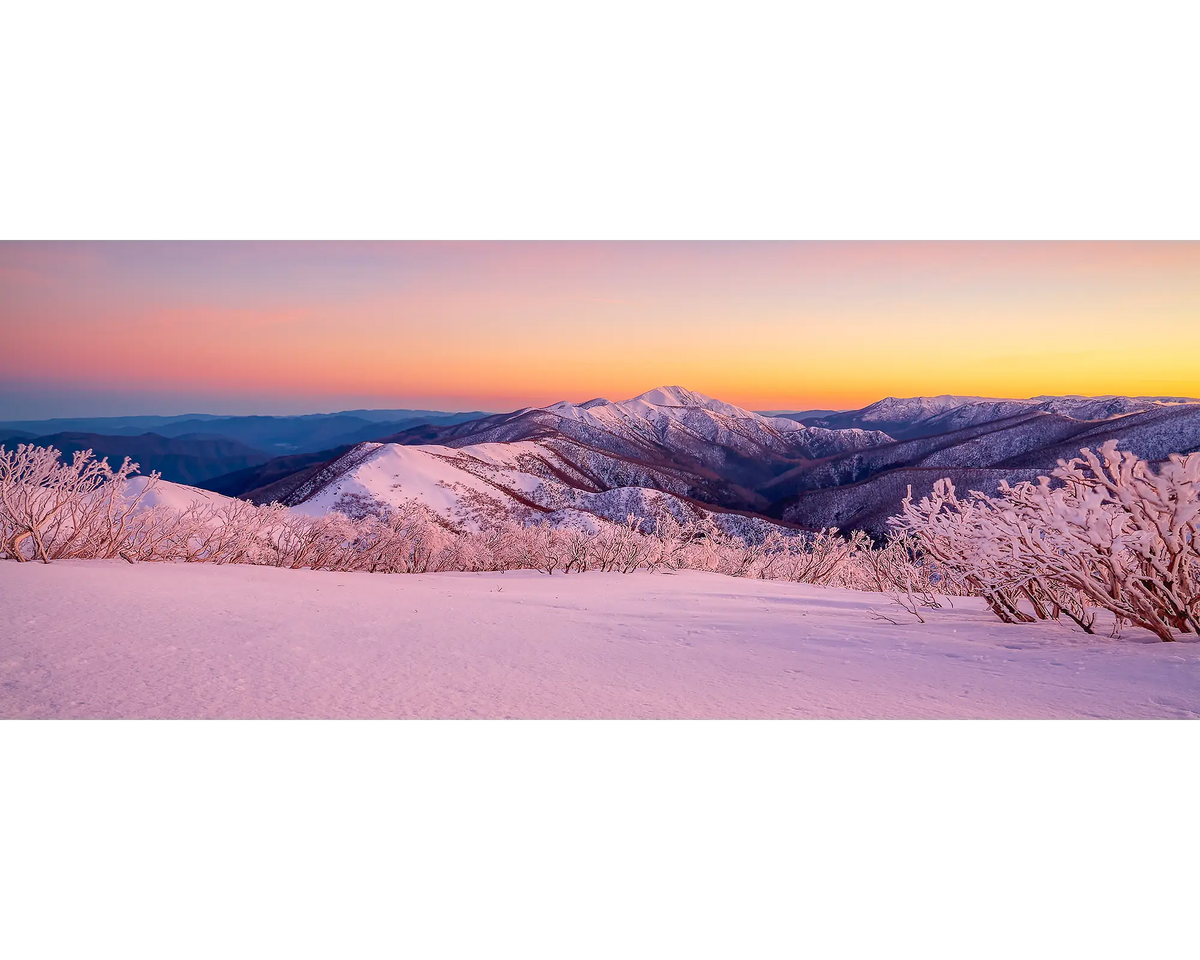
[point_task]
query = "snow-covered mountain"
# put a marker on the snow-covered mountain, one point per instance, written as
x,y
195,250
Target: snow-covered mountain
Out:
x,y
669,426
977,445
1077,408
475,486
969,414
907,417
680,452
668,450
174,496
914,409
1098,408
468,488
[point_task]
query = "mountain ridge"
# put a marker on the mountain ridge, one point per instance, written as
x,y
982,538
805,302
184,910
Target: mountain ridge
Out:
x,y
685,444
676,451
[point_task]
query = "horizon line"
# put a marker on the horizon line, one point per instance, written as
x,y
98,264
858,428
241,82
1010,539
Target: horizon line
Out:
x,y
485,412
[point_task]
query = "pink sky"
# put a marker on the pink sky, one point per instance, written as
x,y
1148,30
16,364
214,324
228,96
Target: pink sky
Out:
x,y
122,328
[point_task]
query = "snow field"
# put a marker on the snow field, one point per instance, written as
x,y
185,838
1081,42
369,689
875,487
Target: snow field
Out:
x,y
106,639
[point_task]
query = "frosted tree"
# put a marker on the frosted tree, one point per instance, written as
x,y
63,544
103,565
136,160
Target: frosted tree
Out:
x,y
1105,530
74,509
955,533
1132,531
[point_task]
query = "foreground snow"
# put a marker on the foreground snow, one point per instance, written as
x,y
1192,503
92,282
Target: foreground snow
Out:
x,y
106,639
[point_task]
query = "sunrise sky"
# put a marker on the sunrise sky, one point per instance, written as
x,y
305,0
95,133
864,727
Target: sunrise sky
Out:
x,y
107,329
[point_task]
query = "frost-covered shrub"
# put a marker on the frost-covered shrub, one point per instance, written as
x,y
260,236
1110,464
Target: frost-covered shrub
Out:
x,y
76,509
1104,531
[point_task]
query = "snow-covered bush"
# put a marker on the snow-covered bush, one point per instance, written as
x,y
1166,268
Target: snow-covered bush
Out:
x,y
1104,531
76,509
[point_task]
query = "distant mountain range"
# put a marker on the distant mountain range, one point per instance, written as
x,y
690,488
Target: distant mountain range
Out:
x,y
278,435
976,442
668,451
804,416
188,459
194,448
906,417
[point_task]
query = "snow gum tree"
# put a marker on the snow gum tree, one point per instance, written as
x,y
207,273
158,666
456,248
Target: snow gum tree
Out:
x,y
1104,531
64,509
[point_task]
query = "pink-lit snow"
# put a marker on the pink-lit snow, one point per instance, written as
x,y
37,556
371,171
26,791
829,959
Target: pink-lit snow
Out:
x,y
107,639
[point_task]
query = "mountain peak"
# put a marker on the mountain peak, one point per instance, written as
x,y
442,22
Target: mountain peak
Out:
x,y
682,398
675,396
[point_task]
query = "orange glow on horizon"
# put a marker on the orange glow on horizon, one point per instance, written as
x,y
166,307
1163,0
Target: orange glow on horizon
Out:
x,y
500,326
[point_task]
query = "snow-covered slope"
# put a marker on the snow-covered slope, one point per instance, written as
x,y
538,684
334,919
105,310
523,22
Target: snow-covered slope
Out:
x,y
1077,408
176,496
474,486
468,487
973,414
914,409
906,417
106,639
902,417
682,397
1095,408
